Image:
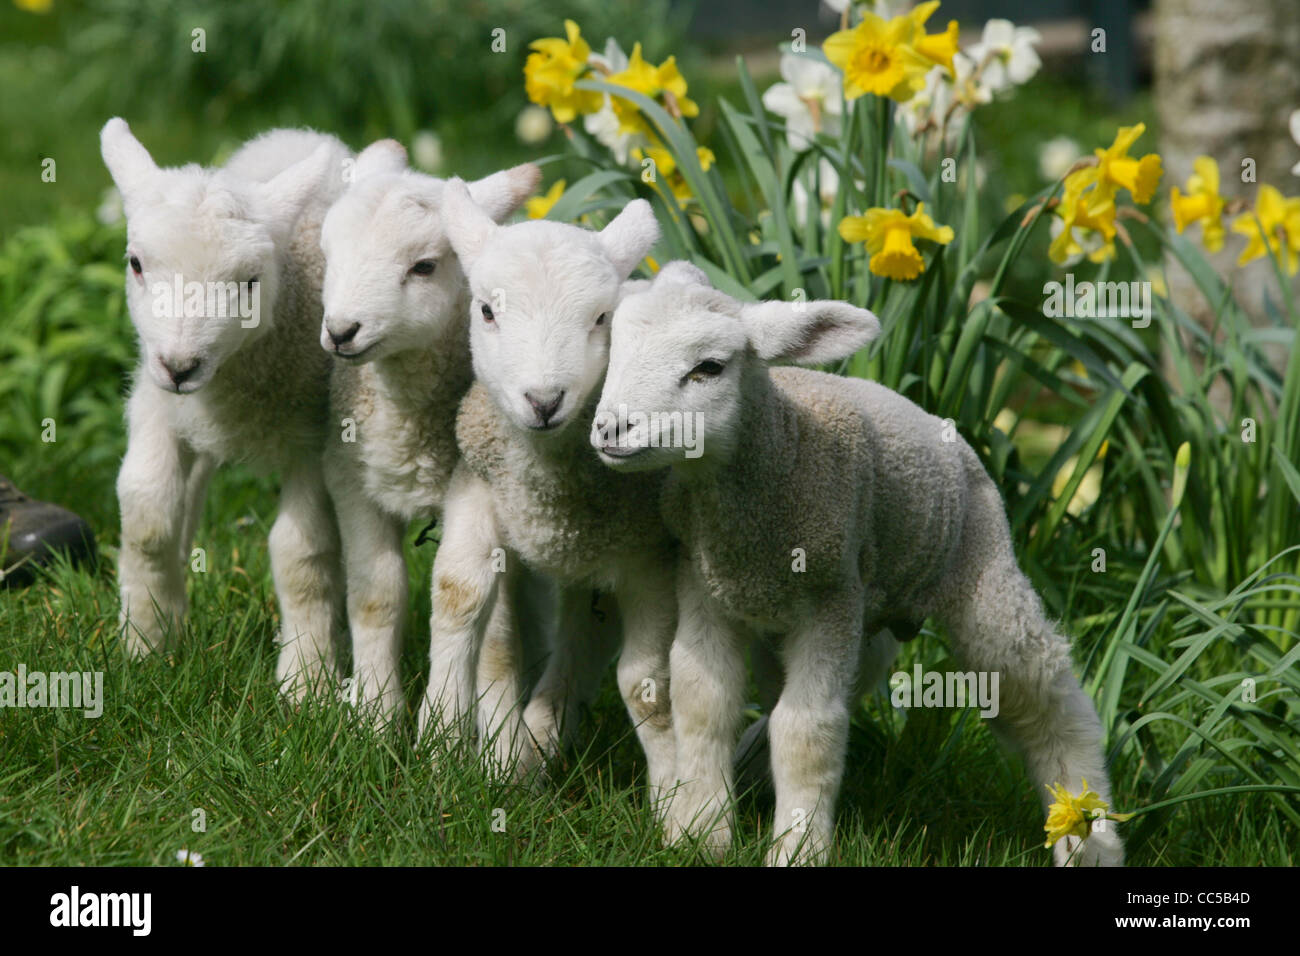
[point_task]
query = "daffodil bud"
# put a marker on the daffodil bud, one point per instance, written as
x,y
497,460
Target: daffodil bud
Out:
x,y
1182,461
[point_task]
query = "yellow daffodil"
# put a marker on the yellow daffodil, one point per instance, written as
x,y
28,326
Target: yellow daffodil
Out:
x,y
666,170
34,6
1201,203
1072,816
1116,169
1274,224
1075,214
664,81
551,71
876,57
888,234
937,47
539,206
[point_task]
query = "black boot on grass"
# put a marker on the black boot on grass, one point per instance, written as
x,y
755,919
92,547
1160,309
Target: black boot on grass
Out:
x,y
32,532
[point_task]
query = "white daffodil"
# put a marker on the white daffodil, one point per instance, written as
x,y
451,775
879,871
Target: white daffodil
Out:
x,y
941,91
603,124
885,9
614,60
603,127
1295,135
828,184
916,111
1089,240
969,89
1009,49
811,99
1056,156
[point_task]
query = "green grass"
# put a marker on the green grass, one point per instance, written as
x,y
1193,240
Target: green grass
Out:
x,y
203,728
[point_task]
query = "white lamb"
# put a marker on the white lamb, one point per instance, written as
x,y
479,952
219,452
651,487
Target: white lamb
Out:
x,y
396,318
530,489
822,510
223,283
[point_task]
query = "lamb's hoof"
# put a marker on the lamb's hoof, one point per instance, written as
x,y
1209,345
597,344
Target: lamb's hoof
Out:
x,y
798,849
508,755
379,711
139,644
542,730
1102,848
712,835
298,680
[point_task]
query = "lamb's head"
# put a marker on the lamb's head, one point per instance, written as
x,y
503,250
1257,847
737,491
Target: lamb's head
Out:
x,y
542,294
203,255
682,354
392,282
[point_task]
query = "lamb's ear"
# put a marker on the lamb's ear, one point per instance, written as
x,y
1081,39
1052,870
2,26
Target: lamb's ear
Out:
x,y
682,272
381,156
502,193
808,333
290,189
627,240
468,226
128,162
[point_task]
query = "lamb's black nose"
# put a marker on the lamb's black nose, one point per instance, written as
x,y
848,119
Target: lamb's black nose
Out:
x,y
181,373
545,406
344,337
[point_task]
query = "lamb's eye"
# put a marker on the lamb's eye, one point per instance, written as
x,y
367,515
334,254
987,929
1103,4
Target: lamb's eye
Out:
x,y
487,313
602,318
136,267
251,282
707,369
424,267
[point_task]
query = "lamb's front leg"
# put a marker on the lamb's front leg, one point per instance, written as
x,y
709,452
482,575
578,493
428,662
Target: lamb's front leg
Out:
x,y
152,493
707,669
305,564
648,601
809,730
498,681
375,569
466,576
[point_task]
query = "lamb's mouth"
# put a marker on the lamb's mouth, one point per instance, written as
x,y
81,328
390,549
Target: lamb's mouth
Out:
x,y
621,452
353,356
550,426
185,388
